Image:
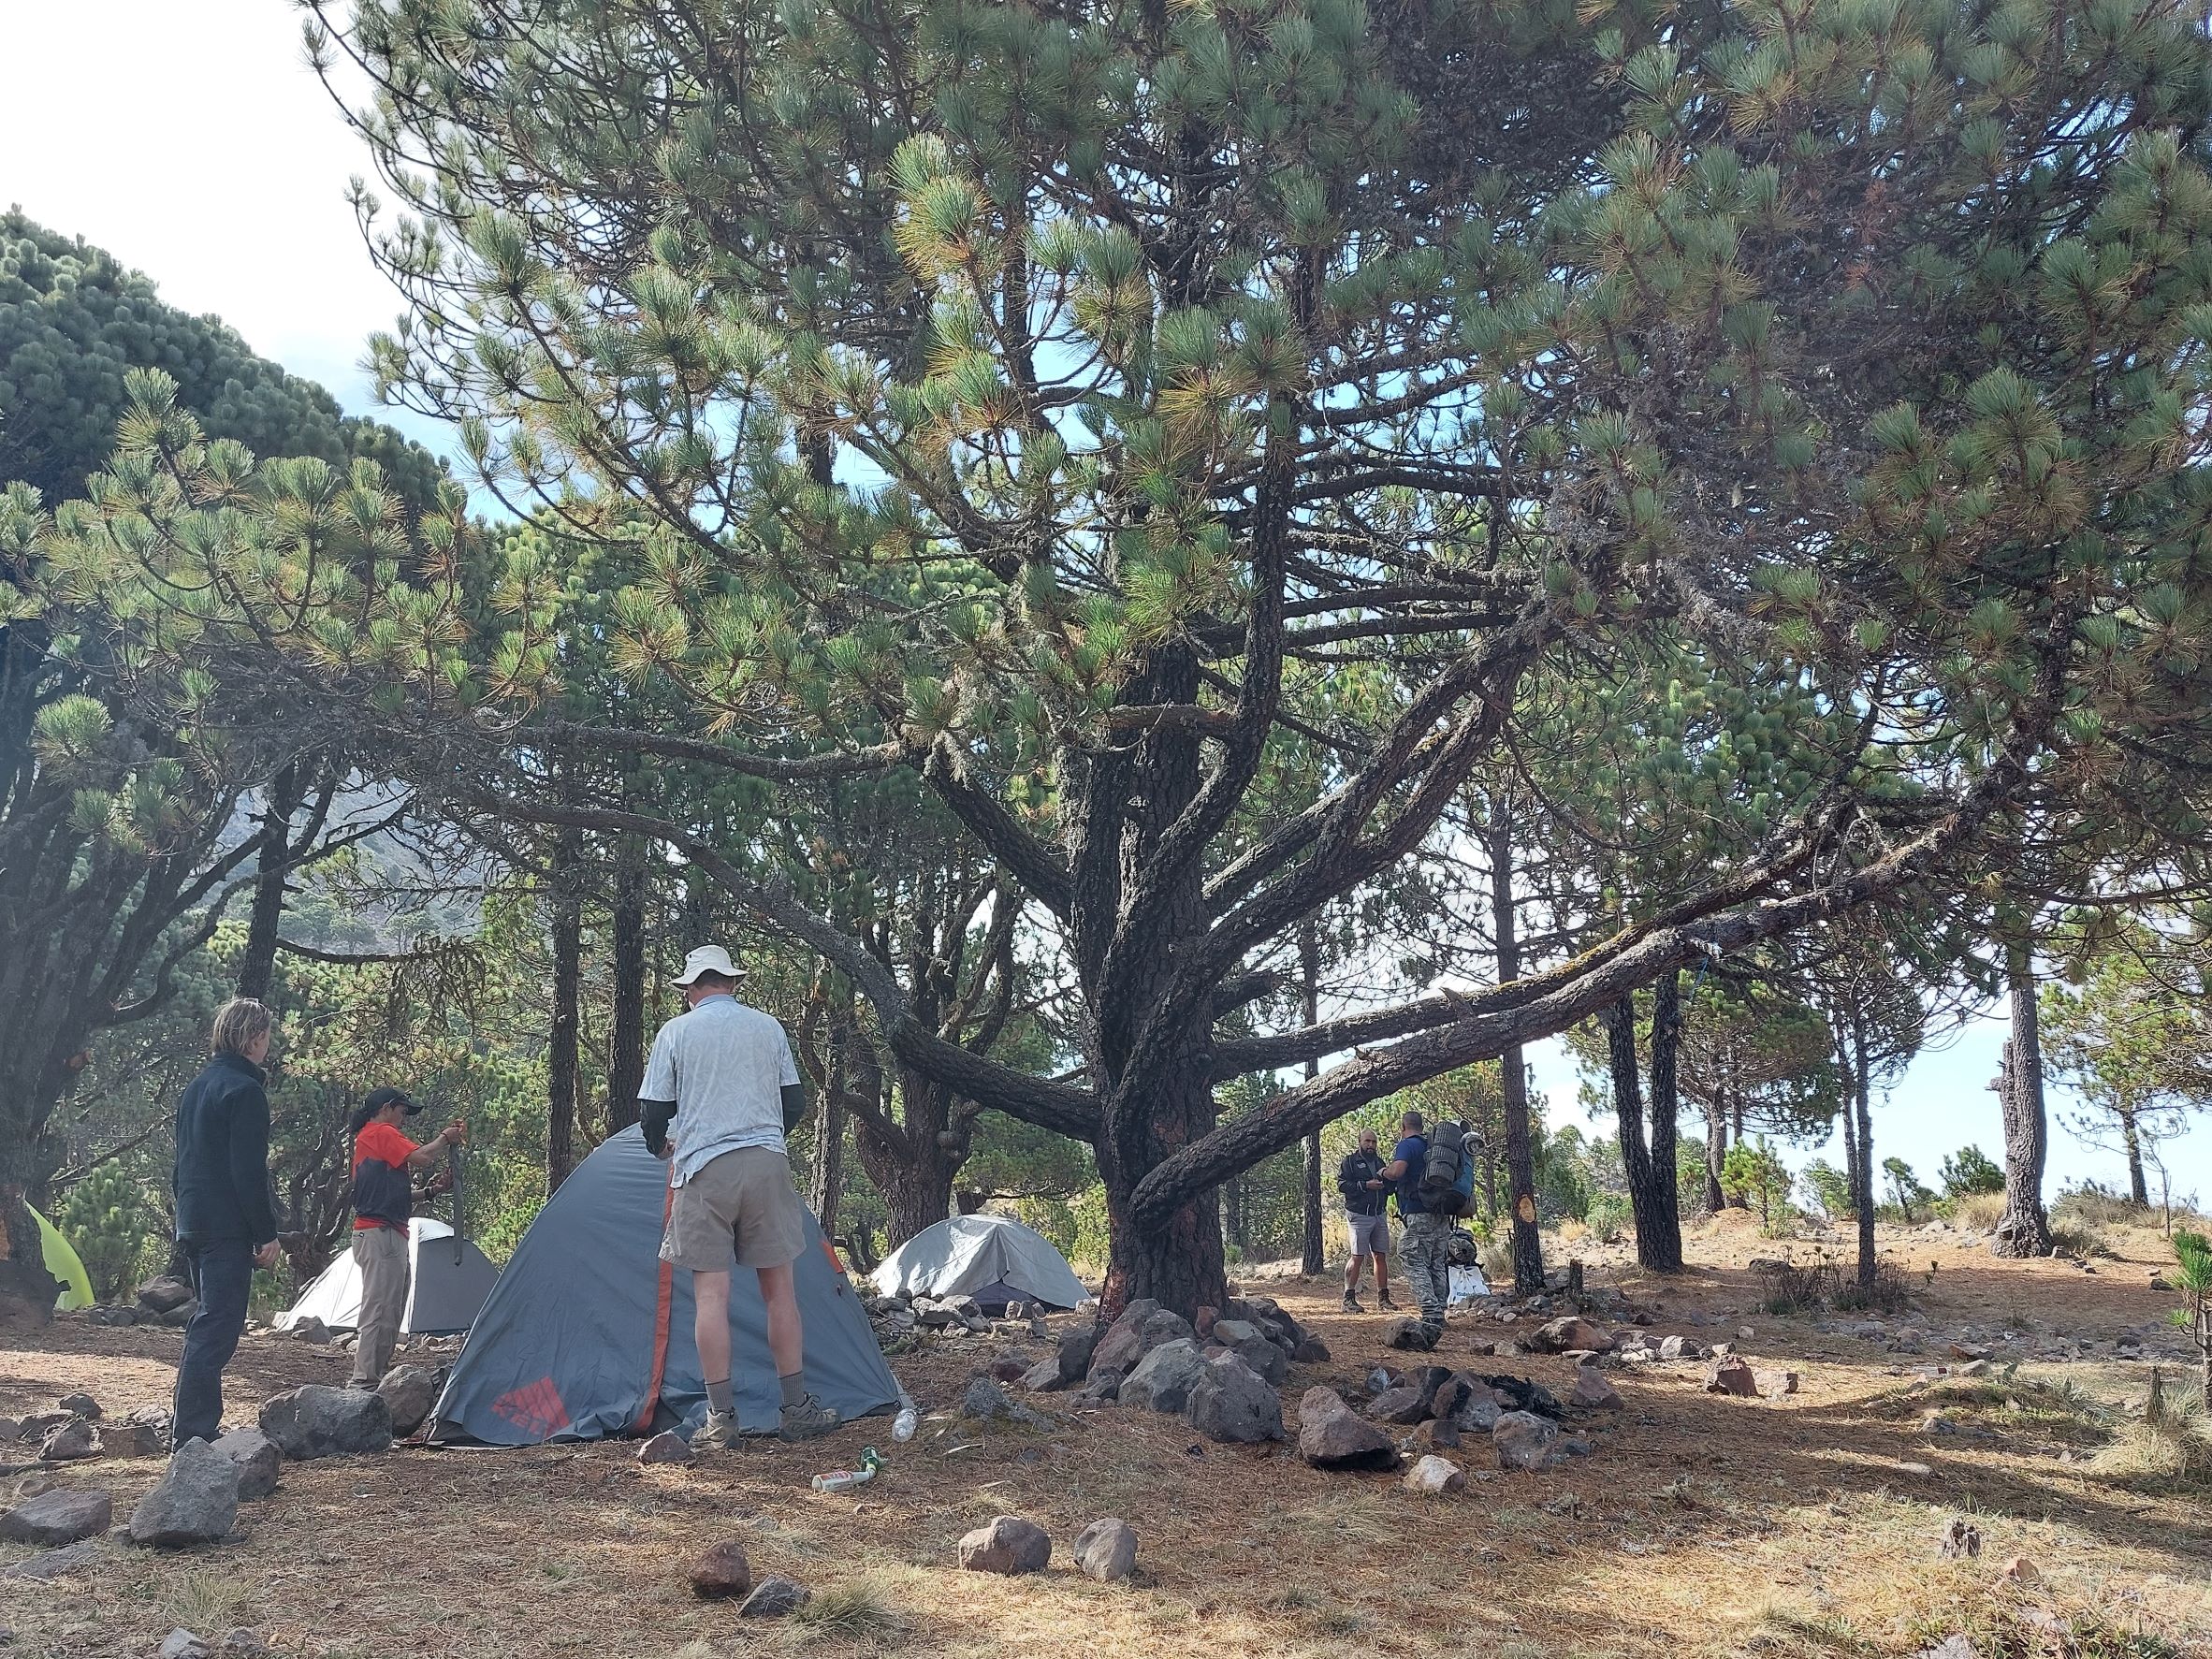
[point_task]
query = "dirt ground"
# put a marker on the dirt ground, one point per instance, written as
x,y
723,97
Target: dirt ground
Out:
x,y
1701,1524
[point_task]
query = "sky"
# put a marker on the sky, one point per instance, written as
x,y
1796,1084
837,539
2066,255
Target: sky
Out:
x,y
189,139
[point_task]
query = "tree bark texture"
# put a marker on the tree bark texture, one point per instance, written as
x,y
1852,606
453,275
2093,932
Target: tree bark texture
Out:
x,y
626,1041
2026,1229
2131,1138
1863,1109
561,1060
825,1163
256,966
1309,967
1663,1225
1520,1162
1716,1154
912,1161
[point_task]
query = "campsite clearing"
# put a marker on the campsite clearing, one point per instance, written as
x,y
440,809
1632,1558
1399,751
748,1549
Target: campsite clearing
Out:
x,y
1701,1525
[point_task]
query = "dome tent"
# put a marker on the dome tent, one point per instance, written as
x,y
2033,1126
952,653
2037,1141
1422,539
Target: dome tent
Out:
x,y
451,1279
588,1334
993,1258
63,1263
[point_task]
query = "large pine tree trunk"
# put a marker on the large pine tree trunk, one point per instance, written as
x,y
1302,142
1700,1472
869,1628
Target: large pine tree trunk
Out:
x,y
256,966
27,1290
2026,1229
1659,1214
1520,1161
2132,1138
918,1193
825,1163
1151,1054
1309,964
1849,1119
1716,1154
626,1042
911,1163
1862,1108
562,1071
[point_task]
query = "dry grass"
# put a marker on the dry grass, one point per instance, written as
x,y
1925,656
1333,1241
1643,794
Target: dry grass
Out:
x,y
2164,1442
1979,1211
858,1613
1701,1527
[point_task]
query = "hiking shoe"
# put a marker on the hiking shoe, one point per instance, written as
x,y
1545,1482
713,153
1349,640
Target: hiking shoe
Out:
x,y
1385,1302
720,1433
1351,1303
807,1420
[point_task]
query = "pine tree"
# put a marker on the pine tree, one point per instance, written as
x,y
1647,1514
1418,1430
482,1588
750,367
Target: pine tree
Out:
x,y
1058,409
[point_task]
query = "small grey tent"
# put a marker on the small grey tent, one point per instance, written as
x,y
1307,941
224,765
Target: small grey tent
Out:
x,y
993,1258
588,1334
452,1277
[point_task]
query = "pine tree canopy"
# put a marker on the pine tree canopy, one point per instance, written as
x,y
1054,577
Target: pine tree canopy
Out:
x,y
74,323
1078,409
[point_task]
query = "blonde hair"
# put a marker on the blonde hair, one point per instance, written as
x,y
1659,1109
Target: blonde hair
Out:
x,y
238,1023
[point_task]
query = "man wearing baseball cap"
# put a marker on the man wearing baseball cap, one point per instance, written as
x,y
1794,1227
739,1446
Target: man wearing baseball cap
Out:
x,y
384,1203
721,1091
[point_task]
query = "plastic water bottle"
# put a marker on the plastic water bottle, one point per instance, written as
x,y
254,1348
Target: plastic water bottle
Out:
x,y
846,1479
904,1424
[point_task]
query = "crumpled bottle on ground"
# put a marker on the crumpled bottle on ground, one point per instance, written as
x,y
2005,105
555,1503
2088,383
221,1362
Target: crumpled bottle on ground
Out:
x,y
846,1479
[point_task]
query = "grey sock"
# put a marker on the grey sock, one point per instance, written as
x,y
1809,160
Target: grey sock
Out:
x,y
793,1386
718,1397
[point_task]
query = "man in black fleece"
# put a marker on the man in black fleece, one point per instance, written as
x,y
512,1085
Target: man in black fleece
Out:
x,y
225,1221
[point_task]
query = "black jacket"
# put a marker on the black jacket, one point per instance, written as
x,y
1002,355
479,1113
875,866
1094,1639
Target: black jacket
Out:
x,y
222,1179
1352,1175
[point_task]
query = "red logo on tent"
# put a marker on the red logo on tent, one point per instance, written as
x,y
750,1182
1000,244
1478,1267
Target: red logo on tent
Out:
x,y
535,1408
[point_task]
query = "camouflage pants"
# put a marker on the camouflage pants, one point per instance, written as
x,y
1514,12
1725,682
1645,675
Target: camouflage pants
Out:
x,y
1423,1258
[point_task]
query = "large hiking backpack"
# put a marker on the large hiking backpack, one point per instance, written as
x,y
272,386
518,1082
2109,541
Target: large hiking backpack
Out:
x,y
1448,1174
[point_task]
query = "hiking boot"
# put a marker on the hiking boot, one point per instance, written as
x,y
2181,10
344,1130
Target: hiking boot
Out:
x,y
1385,1302
807,1420
720,1433
1351,1303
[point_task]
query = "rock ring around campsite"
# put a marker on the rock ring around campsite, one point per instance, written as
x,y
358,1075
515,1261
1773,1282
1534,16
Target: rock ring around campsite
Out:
x,y
1008,1545
722,1571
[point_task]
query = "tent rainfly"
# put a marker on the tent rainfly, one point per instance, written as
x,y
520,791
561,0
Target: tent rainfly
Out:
x,y
451,1279
588,1334
993,1258
63,1263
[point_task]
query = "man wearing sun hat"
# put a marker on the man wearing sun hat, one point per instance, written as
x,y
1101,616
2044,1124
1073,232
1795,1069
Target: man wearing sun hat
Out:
x,y
721,1091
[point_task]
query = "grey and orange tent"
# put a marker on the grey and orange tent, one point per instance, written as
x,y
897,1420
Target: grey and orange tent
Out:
x,y
587,1333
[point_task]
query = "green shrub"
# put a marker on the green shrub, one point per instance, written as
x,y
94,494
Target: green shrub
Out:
x,y
1971,1169
1754,1173
104,1218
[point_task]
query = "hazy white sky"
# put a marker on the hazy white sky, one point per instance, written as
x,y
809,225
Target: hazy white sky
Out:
x,y
189,139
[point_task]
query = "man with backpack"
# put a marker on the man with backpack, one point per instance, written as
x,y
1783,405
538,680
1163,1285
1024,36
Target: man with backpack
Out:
x,y
1425,1245
1366,1206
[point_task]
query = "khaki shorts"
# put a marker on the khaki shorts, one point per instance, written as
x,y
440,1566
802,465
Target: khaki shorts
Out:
x,y
740,1208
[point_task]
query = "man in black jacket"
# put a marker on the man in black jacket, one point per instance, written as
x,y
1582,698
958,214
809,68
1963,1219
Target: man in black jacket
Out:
x,y
225,1221
1365,1197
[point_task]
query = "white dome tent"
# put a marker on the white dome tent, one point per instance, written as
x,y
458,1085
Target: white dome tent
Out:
x,y
993,1258
451,1279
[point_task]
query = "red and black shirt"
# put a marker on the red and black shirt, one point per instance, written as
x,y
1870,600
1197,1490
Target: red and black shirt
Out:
x,y
382,1197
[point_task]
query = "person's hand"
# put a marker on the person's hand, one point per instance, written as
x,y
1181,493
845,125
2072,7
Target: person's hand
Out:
x,y
267,1256
454,1133
1374,1187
